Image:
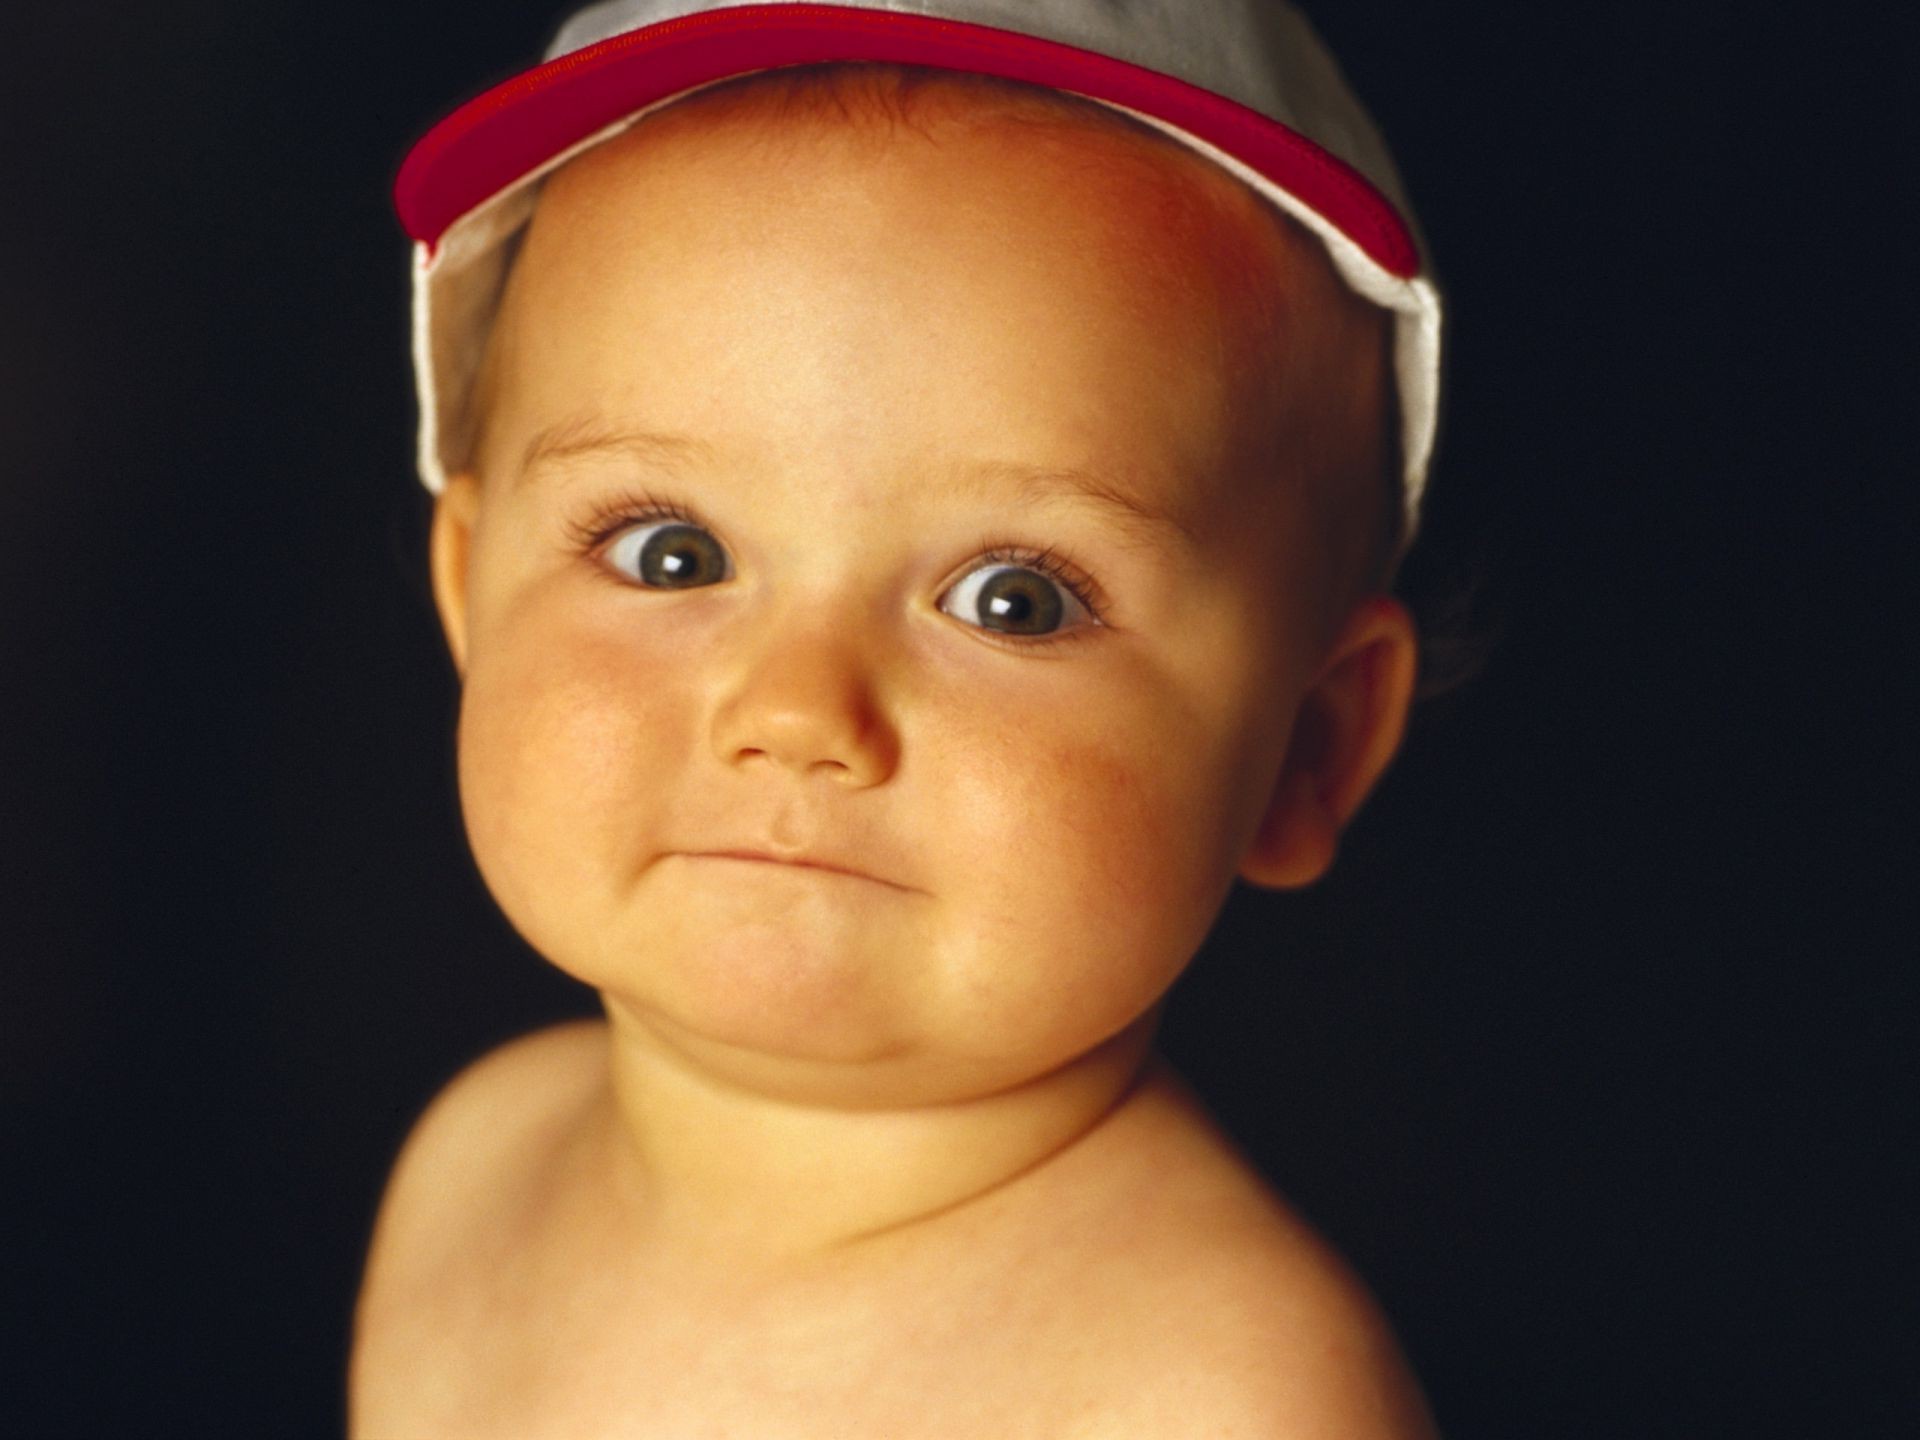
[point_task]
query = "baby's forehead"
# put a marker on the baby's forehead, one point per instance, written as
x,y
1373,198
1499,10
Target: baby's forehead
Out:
x,y
1182,221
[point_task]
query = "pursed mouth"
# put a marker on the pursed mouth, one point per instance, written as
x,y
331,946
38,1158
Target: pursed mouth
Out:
x,y
756,858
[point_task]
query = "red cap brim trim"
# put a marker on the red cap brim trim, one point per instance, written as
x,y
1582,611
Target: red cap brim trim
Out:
x,y
516,127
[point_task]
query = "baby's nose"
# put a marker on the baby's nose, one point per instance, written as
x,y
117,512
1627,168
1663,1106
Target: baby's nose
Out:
x,y
805,700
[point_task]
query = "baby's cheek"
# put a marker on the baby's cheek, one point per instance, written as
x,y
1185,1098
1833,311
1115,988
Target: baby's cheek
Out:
x,y
1102,887
558,761
1139,830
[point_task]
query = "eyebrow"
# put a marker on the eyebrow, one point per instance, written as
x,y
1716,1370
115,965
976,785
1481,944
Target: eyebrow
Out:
x,y
586,436
1140,520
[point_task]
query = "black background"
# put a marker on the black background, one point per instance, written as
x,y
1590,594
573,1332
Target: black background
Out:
x,y
1594,1054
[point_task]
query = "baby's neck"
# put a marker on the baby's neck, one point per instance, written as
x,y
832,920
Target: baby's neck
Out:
x,y
728,1177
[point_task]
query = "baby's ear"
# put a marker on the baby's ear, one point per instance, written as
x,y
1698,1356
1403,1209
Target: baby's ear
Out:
x,y
1349,725
448,545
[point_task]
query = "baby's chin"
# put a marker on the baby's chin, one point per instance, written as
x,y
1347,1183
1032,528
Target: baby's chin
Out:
x,y
776,987
797,1069
758,1014
777,977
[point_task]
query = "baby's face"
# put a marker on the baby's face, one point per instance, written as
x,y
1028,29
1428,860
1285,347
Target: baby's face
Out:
x,y
849,367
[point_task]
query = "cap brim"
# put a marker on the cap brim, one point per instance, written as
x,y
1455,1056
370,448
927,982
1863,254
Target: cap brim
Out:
x,y
501,136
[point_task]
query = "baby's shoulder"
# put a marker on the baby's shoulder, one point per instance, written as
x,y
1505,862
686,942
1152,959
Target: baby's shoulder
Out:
x,y
1243,1319
486,1127
472,1162
1258,1334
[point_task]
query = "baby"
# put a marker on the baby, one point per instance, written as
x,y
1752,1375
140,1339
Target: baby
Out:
x,y
910,539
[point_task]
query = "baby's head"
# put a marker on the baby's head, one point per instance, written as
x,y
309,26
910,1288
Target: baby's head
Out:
x,y
938,479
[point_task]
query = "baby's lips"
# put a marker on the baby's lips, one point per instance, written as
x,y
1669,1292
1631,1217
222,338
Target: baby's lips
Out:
x,y
798,858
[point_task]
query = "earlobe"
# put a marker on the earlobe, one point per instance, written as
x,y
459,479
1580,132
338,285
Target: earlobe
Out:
x,y
1350,723
449,544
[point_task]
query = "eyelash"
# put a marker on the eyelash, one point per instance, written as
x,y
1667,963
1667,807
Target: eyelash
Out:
x,y
613,516
643,507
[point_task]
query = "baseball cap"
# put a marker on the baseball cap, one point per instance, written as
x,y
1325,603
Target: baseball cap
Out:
x,y
1246,83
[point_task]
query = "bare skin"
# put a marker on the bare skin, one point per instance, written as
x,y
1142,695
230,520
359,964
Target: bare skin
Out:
x,y
883,1152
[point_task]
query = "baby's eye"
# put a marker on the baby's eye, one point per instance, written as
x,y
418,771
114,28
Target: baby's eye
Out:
x,y
1027,599
669,554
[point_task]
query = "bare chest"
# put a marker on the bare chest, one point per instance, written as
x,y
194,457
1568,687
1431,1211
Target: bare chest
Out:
x,y
536,1350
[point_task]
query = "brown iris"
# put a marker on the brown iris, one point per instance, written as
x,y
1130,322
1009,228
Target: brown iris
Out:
x,y
1019,602
681,556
